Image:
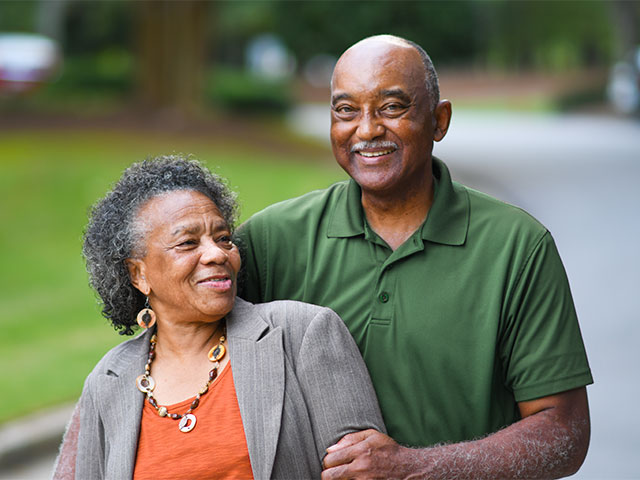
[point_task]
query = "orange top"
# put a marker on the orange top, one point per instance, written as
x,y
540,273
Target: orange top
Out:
x,y
215,448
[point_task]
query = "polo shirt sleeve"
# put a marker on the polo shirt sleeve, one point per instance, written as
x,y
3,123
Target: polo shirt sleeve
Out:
x,y
247,238
541,348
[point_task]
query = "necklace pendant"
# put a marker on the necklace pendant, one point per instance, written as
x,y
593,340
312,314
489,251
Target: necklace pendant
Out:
x,y
216,353
145,383
187,423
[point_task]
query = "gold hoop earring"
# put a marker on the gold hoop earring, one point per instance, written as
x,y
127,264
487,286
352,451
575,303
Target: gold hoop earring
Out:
x,y
147,317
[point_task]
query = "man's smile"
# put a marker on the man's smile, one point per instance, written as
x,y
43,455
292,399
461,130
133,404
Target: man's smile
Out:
x,y
375,154
374,149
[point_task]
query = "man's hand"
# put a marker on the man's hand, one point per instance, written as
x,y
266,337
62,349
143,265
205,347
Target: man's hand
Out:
x,y
550,441
365,454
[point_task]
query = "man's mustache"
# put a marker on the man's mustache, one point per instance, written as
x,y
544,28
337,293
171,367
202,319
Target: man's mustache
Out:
x,y
373,146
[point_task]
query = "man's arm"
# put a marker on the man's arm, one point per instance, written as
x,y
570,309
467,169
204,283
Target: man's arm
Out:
x,y
550,441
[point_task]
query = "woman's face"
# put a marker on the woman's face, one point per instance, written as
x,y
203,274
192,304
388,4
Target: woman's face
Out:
x,y
190,267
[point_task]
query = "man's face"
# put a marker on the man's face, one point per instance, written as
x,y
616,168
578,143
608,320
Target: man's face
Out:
x,y
381,123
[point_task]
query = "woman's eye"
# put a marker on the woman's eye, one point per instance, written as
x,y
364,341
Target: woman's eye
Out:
x,y
226,241
187,243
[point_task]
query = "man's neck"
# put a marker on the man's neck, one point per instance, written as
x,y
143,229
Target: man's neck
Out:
x,y
396,217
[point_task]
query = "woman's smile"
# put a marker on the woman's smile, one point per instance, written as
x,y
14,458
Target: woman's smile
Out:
x,y
221,283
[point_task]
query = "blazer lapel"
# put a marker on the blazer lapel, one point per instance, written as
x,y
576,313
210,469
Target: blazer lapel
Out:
x,y
121,406
257,358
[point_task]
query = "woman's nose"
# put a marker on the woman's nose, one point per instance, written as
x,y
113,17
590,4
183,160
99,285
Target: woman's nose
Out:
x,y
213,253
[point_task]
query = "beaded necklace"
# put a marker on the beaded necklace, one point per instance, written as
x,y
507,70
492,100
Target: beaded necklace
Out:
x,y
146,383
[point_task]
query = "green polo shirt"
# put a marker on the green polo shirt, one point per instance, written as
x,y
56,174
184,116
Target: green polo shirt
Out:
x,y
472,314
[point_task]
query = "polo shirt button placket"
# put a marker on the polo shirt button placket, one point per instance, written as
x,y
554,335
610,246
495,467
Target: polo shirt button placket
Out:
x,y
383,297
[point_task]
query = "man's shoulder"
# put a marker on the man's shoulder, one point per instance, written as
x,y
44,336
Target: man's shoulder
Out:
x,y
312,203
488,211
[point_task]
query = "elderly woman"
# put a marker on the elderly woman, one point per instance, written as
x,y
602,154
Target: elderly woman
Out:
x,y
215,387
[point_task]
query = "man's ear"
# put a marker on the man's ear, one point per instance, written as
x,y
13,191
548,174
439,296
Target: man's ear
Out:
x,y
442,118
136,269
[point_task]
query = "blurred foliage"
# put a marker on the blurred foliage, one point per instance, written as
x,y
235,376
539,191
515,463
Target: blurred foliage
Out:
x,y
444,29
94,26
525,34
553,35
237,91
17,16
106,71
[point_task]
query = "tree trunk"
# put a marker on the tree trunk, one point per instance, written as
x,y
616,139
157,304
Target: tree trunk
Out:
x,y
171,38
625,16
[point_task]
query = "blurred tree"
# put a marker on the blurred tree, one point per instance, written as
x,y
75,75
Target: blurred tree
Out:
x,y
235,24
163,47
171,41
91,27
548,35
17,16
626,16
545,34
445,29
50,18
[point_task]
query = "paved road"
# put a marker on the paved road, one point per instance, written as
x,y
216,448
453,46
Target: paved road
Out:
x,y
39,469
580,176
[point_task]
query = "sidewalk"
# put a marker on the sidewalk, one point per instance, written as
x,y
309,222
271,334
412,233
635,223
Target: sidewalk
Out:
x,y
28,446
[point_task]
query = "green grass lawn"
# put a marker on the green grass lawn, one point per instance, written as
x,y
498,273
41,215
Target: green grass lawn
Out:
x,y
51,331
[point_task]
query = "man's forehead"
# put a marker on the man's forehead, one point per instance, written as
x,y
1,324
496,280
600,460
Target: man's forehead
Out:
x,y
377,61
375,52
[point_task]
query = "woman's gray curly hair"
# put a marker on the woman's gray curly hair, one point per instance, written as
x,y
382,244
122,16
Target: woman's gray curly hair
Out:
x,y
114,234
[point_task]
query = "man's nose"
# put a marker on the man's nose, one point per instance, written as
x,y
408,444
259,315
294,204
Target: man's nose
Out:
x,y
369,127
213,253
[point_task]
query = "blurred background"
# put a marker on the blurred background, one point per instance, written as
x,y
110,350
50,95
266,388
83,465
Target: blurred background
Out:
x,y
546,99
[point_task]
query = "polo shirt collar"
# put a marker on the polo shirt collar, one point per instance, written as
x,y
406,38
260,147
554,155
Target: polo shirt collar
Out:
x,y
347,217
448,218
446,223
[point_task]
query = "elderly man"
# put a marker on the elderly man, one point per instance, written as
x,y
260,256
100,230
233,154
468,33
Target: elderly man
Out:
x,y
459,303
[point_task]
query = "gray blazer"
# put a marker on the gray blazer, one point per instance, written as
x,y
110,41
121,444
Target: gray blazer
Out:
x,y
300,381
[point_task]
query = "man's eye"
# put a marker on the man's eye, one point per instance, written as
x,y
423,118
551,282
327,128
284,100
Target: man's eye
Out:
x,y
345,109
394,108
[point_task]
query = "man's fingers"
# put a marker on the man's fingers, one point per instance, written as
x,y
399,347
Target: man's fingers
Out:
x,y
335,473
348,448
340,456
350,439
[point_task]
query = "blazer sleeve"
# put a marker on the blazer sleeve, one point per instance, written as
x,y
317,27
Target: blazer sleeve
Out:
x,y
81,453
65,465
90,459
335,382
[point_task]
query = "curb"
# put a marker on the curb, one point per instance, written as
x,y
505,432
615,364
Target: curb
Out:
x,y
26,439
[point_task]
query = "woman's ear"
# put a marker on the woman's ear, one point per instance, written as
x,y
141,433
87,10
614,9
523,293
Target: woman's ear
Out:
x,y
136,269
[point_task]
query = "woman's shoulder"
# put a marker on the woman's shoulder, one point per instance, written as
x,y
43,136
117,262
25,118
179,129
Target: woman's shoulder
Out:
x,y
290,313
122,356
299,322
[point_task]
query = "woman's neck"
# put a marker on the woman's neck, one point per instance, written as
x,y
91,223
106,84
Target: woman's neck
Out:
x,y
186,340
